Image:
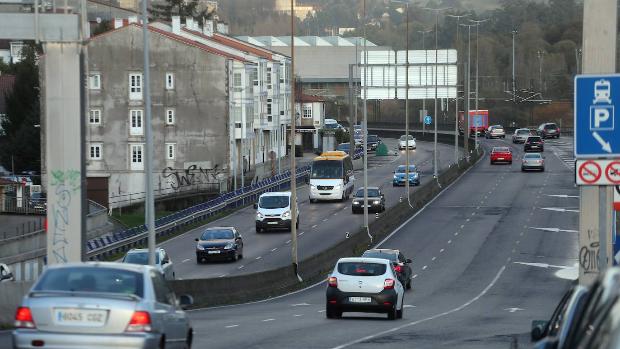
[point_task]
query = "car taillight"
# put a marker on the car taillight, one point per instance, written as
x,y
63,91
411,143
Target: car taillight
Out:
x,y
332,281
23,318
140,322
398,268
388,284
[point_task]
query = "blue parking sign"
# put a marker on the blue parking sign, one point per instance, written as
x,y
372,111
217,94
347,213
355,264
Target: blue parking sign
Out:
x,y
428,120
597,133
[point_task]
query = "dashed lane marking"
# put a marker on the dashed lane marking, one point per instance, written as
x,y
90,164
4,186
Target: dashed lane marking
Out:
x,y
185,260
274,249
441,251
433,258
424,267
267,320
259,257
232,326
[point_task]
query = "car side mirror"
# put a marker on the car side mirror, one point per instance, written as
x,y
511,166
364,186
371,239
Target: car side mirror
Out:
x,y
538,330
255,206
165,261
7,276
408,261
196,239
185,301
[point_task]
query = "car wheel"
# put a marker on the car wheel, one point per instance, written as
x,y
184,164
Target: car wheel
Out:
x,y
259,230
510,162
331,313
394,185
235,257
542,169
188,340
392,313
399,313
162,343
198,260
297,223
408,284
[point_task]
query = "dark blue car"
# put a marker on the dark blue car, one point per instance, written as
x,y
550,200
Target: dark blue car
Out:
x,y
400,173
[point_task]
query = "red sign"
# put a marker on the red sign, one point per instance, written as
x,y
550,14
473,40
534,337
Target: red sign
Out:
x,y
617,198
589,172
612,172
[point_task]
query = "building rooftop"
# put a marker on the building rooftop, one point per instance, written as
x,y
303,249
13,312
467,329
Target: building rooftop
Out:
x,y
301,41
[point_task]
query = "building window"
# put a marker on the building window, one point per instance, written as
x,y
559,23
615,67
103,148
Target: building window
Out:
x,y
135,152
94,81
135,122
94,117
237,82
96,151
171,153
169,81
170,117
307,111
135,86
269,106
269,78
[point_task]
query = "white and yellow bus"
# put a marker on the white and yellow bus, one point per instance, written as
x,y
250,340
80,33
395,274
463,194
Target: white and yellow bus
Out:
x,y
331,176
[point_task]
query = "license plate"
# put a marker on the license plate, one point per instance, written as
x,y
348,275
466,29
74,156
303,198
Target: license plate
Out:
x,y
534,146
500,158
272,222
359,299
80,317
214,252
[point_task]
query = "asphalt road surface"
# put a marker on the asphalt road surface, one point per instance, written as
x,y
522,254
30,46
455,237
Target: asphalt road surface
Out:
x,y
322,224
488,258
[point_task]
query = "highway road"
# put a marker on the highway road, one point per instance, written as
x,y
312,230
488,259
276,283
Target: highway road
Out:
x,y
491,253
321,224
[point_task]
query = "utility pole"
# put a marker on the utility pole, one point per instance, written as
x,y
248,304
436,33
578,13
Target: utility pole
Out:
x,y
469,89
514,80
365,126
540,55
456,99
424,32
436,119
595,208
293,165
477,36
149,201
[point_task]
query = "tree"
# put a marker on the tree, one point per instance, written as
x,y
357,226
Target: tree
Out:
x,y
183,8
20,142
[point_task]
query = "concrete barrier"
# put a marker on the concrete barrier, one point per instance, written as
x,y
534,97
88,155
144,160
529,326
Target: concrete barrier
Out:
x,y
11,293
266,284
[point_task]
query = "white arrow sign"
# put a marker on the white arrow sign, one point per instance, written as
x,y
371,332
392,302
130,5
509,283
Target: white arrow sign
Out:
x,y
604,144
559,209
564,196
556,230
543,265
512,310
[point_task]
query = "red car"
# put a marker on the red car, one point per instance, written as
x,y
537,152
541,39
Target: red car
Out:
x,y
501,154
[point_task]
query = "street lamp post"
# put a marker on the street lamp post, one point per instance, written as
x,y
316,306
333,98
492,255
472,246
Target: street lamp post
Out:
x,y
424,32
540,54
456,99
293,165
365,127
477,26
469,84
435,163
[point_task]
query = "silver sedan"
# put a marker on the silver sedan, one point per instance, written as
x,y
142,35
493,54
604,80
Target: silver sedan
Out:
x,y
102,305
533,161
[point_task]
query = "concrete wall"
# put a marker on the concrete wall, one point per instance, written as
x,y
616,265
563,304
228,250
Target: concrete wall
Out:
x,y
199,99
11,294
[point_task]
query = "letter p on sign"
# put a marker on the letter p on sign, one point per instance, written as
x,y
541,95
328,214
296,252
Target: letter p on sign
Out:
x,y
602,118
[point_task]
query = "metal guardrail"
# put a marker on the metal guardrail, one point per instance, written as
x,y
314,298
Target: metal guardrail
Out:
x,y
122,241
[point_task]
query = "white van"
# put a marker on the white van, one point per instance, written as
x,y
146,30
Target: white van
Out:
x,y
273,211
331,177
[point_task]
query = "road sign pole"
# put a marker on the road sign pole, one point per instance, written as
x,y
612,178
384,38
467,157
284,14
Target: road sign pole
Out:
x,y
599,56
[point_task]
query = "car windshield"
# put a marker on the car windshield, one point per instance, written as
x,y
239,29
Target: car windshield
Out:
x,y
550,127
533,139
373,138
326,169
403,168
271,202
219,234
371,193
404,138
383,255
532,156
523,132
92,279
361,268
139,258
501,150
331,125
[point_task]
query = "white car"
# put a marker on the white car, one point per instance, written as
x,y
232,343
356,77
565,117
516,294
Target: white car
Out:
x,y
162,261
367,285
495,131
404,143
273,211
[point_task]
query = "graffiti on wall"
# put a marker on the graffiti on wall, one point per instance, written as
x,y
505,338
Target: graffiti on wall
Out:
x,y
64,184
191,175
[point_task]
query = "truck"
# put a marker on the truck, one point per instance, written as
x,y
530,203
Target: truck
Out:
x,y
478,122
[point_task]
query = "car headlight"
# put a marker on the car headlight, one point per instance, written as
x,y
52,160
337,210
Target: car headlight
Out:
x,y
415,175
376,202
395,177
229,246
286,215
259,216
200,247
313,186
356,202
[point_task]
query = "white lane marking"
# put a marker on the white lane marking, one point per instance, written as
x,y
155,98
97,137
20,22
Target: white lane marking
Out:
x,y
456,234
558,209
298,315
555,230
241,267
544,265
440,251
302,233
314,226
512,310
449,241
467,220
267,320
564,196
424,267
433,258
408,306
288,242
473,213
274,249
325,220
415,276
462,226
300,305
232,326
223,275
459,308
259,257
185,260
335,214
321,311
